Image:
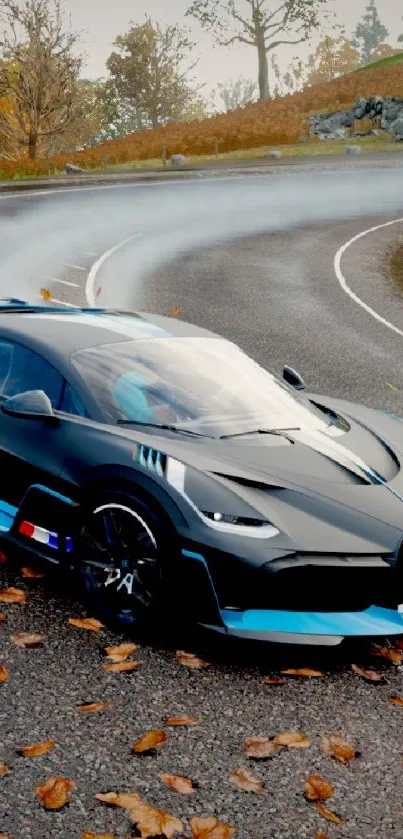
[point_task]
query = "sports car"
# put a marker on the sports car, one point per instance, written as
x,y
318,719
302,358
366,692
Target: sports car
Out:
x,y
164,468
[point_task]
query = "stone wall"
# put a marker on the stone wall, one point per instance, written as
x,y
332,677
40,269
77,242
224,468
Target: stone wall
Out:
x,y
386,116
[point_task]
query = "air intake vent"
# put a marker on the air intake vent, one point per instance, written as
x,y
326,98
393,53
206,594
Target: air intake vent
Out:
x,y
152,459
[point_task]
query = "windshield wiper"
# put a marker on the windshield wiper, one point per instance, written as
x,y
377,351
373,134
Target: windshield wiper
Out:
x,y
275,431
164,427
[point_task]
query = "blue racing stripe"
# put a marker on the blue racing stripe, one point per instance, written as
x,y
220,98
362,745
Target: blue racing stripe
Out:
x,y
372,621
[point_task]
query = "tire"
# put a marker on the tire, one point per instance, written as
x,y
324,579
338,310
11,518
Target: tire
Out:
x,y
119,559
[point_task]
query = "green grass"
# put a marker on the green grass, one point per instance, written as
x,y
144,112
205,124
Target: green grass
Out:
x,y
383,62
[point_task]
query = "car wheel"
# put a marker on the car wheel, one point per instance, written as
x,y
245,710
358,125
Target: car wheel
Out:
x,y
120,561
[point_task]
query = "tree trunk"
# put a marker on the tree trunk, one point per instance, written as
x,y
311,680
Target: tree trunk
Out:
x,y
32,145
264,92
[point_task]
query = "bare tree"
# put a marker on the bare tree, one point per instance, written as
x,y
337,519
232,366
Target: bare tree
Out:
x,y
234,94
38,71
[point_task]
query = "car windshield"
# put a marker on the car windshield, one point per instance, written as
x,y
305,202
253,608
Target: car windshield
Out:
x,y
207,385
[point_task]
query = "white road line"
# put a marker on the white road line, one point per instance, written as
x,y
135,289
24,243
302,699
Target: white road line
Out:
x,y
76,267
93,273
343,282
63,282
91,253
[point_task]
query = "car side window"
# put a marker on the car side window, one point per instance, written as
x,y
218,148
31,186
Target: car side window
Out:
x,y
71,403
22,369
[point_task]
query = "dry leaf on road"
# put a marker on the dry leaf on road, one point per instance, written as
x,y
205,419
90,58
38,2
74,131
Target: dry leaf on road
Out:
x,y
4,674
2,616
274,680
153,822
55,792
327,814
190,660
306,672
336,746
93,707
149,741
178,721
90,835
45,293
317,789
396,700
244,780
208,827
32,574
292,740
121,652
121,666
118,799
259,748
321,835
369,675
36,749
178,783
391,654
86,623
13,595
4,770
29,640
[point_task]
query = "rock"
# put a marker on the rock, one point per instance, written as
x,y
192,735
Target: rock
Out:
x,y
354,150
361,109
397,126
398,138
274,155
178,159
71,169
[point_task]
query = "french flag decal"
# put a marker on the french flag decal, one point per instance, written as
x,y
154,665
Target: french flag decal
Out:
x,y
46,537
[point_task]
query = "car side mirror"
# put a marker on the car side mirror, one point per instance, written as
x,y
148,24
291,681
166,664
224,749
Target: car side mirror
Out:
x,y
293,378
32,404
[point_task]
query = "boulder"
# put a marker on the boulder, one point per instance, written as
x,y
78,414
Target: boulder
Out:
x,y
178,160
396,127
353,150
72,169
274,155
398,138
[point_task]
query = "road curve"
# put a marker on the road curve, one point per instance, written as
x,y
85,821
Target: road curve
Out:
x,y
277,294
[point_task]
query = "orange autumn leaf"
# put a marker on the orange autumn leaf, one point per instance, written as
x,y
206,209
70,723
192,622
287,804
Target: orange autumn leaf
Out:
x,y
317,789
13,595
178,721
31,574
152,822
306,672
208,827
2,616
121,667
6,836
391,654
190,660
55,792
259,747
321,835
274,680
36,749
86,623
396,700
369,675
4,770
29,640
327,814
93,707
175,312
244,780
4,674
121,652
88,834
292,739
178,783
149,741
46,294
118,799
336,746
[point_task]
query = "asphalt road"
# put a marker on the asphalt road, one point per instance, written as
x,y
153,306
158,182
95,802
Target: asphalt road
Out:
x,y
277,295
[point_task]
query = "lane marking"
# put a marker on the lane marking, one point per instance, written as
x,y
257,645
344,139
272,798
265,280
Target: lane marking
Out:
x,y
95,268
343,282
63,282
91,253
76,267
59,302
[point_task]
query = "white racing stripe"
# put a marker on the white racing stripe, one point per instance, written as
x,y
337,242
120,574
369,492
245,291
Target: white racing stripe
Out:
x,y
343,282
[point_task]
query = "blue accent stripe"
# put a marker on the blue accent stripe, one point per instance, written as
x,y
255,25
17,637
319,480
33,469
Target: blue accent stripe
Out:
x,y
372,621
7,516
53,493
201,559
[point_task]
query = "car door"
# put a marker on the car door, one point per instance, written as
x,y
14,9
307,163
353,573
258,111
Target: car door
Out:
x,y
31,450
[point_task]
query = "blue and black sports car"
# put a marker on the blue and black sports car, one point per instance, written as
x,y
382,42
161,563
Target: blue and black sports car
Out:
x,y
155,460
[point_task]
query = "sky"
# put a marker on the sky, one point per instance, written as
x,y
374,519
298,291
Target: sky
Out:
x,y
100,23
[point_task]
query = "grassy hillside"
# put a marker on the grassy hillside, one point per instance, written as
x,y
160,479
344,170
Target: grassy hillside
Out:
x,y
383,62
276,122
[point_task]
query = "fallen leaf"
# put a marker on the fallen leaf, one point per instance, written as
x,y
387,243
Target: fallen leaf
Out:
x,y
36,750
153,822
208,827
120,652
321,835
399,644
3,557
259,748
29,640
55,792
175,312
13,595
392,387
396,700
369,675
46,294
303,671
118,799
178,721
31,574
274,680
89,835
149,741
336,746
93,707
2,616
4,674
6,836
244,780
178,783
122,667
392,655
292,740
98,291
4,770
317,789
190,660
327,814
86,623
